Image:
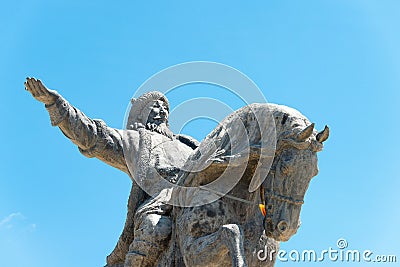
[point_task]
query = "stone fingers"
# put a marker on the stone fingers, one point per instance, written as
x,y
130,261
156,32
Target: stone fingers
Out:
x,y
33,87
41,87
37,89
29,87
37,84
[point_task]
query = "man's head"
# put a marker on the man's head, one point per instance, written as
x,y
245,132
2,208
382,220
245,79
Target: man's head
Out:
x,y
150,110
158,112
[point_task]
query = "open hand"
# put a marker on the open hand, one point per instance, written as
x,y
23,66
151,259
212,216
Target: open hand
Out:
x,y
40,92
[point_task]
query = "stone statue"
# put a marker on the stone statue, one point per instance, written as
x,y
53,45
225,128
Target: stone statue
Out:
x,y
228,231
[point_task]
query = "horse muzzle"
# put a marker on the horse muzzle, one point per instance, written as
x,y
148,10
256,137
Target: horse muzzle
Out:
x,y
281,231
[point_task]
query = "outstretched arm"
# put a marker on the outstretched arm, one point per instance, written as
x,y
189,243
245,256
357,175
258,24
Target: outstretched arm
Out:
x,y
93,137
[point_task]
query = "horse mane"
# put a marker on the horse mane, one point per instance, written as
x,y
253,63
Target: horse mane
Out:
x,y
288,123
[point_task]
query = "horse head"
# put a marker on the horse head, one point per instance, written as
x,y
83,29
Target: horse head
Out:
x,y
294,164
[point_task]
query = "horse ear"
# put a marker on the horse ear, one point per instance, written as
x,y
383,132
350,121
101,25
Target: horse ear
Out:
x,y
323,135
304,134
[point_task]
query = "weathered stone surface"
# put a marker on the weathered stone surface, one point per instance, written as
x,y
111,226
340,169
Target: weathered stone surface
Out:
x,y
265,152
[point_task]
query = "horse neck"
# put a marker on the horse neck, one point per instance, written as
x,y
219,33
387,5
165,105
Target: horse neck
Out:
x,y
244,204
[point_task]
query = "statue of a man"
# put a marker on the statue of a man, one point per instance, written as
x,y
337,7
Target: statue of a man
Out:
x,y
148,224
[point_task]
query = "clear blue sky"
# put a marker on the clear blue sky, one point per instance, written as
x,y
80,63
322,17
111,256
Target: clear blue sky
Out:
x,y
338,62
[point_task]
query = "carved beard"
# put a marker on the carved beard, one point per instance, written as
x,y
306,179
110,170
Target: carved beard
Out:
x,y
161,129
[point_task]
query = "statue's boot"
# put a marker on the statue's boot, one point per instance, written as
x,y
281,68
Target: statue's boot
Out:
x,y
142,254
134,259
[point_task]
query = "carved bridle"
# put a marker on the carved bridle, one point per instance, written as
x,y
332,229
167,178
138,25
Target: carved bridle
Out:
x,y
302,141
273,195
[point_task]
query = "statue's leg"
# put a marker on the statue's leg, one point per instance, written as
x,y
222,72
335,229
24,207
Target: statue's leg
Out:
x,y
212,249
152,232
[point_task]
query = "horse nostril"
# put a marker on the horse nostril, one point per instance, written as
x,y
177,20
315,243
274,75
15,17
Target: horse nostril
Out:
x,y
282,226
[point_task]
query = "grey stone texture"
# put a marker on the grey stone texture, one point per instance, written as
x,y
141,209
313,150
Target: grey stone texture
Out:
x,y
228,231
